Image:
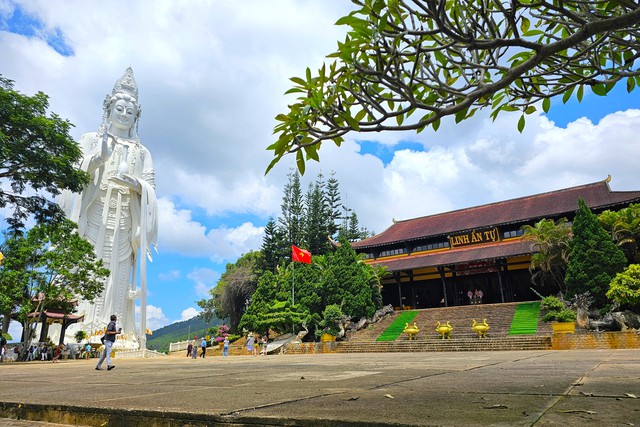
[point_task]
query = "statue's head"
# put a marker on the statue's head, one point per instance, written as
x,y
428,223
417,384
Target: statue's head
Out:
x,y
121,108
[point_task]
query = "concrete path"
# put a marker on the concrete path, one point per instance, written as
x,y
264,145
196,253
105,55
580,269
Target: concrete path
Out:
x,y
519,388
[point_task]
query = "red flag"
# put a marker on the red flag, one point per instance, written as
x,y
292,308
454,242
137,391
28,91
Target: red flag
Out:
x,y
300,255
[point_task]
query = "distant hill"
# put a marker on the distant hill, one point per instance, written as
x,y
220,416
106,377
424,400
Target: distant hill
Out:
x,y
180,331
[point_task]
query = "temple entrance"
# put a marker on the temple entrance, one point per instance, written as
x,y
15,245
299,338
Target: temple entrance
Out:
x,y
463,289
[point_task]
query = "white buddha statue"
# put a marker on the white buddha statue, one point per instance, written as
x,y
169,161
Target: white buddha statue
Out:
x,y
117,213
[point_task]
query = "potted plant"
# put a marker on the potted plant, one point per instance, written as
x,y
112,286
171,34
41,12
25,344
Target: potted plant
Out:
x,y
561,316
80,336
329,327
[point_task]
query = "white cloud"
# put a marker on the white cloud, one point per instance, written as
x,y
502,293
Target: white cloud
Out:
x,y
179,233
169,276
231,243
156,318
189,313
204,279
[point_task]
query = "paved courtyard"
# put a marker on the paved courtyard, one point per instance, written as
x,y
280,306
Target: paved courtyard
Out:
x,y
519,388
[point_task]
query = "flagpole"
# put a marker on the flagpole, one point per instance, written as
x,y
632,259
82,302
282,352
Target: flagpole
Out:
x,y
293,284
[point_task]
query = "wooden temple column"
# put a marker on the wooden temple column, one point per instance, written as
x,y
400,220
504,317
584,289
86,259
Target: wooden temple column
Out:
x,y
66,322
396,275
444,287
499,265
413,290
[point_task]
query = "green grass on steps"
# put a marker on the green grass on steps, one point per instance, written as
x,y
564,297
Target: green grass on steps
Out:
x,y
525,319
395,329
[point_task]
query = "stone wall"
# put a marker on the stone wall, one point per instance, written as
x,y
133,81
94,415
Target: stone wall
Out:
x,y
595,340
309,347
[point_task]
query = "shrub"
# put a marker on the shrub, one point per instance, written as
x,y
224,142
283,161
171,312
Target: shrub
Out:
x,y
625,287
557,310
330,322
552,303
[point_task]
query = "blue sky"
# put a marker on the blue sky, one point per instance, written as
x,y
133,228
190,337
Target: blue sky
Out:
x,y
212,77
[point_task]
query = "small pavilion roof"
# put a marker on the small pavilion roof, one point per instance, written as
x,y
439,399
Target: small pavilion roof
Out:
x,y
597,196
56,315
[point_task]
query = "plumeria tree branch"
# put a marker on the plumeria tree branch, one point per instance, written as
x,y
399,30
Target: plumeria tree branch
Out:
x,y
453,57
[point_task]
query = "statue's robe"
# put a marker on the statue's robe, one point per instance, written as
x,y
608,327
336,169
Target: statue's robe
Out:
x,y
122,226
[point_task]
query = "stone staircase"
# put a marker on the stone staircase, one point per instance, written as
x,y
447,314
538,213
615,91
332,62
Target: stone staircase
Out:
x,y
499,317
506,343
463,338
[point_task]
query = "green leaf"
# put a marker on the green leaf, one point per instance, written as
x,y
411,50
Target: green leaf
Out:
x,y
353,124
567,94
631,84
599,89
351,21
521,123
312,152
533,33
294,90
299,81
580,93
272,164
300,162
461,115
436,124
546,104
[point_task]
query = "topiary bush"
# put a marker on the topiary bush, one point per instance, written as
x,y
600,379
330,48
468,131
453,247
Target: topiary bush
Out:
x,y
625,288
557,310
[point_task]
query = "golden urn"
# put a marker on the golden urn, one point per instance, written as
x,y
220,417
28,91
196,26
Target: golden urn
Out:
x,y
444,330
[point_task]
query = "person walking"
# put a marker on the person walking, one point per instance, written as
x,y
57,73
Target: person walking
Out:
x,y
225,347
30,353
3,347
194,350
189,349
108,339
263,345
250,344
203,344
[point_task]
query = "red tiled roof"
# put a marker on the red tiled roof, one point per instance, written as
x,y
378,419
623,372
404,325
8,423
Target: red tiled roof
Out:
x,y
552,204
457,256
57,315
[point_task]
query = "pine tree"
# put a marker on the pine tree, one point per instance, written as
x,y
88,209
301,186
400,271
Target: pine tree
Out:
x,y
314,224
595,260
292,211
333,205
271,245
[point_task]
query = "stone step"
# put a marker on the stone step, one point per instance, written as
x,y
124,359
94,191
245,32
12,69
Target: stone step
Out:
x,y
431,345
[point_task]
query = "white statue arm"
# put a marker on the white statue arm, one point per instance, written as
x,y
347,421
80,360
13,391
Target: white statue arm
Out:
x,y
106,148
128,181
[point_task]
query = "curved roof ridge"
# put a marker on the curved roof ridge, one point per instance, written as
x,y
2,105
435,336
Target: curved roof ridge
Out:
x,y
530,196
519,210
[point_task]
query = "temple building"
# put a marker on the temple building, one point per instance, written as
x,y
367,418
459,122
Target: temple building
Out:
x,y
475,255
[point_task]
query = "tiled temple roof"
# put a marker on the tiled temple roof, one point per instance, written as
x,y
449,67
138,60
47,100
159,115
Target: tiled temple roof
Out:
x,y
598,196
458,256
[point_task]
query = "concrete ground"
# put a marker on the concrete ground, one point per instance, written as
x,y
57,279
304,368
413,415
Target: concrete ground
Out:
x,y
519,388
